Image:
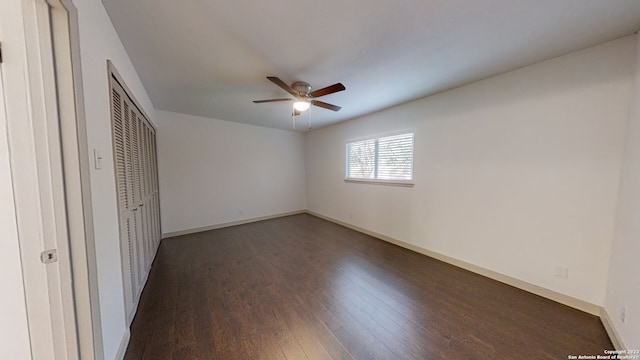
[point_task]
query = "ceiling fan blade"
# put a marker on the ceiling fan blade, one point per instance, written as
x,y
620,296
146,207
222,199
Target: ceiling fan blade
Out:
x,y
325,105
276,80
270,100
328,90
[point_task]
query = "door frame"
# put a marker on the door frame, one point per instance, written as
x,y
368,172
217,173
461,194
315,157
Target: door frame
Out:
x,y
77,174
49,158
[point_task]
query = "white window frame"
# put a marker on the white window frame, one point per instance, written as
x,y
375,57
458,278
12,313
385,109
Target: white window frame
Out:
x,y
395,182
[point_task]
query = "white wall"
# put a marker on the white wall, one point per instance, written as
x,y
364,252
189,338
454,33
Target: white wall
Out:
x,y
517,174
624,275
214,172
99,42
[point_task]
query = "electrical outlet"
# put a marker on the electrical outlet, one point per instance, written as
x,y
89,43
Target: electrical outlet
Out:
x,y
623,314
350,216
240,212
562,272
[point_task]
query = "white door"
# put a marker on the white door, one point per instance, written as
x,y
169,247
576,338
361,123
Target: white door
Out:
x,y
135,172
14,328
30,151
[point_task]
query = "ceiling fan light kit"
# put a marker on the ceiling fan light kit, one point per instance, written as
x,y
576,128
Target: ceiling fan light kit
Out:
x,y
303,97
301,104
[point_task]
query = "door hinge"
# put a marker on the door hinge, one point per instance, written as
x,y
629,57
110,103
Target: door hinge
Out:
x,y
0,53
49,256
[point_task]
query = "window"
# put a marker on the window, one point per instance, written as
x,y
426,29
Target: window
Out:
x,y
383,159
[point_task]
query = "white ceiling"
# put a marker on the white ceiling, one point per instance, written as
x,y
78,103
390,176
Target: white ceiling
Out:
x,y
211,58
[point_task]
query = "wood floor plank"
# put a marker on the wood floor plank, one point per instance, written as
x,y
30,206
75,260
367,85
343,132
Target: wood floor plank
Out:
x,y
299,287
292,350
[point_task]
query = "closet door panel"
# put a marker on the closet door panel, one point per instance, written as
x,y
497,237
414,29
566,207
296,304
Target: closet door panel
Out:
x,y
136,182
121,143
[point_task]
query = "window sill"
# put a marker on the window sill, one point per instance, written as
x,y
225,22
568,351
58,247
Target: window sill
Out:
x,y
401,183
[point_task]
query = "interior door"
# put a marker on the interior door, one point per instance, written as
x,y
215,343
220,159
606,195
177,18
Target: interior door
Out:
x,y
14,328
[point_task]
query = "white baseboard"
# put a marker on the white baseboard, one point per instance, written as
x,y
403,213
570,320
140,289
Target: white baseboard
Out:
x,y
124,342
232,223
520,284
611,330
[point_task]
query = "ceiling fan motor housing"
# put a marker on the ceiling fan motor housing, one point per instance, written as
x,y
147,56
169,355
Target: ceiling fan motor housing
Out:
x,y
302,88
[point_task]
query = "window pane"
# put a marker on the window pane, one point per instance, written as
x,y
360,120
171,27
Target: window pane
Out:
x,y
361,159
384,158
395,157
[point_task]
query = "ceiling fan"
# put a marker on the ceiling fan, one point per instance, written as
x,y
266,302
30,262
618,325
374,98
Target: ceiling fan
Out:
x,y
303,96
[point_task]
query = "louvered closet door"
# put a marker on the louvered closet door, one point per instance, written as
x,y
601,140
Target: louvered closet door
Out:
x,y
141,264
155,198
122,156
138,203
147,198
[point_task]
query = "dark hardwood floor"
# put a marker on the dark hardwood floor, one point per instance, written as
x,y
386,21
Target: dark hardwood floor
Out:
x,y
300,287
